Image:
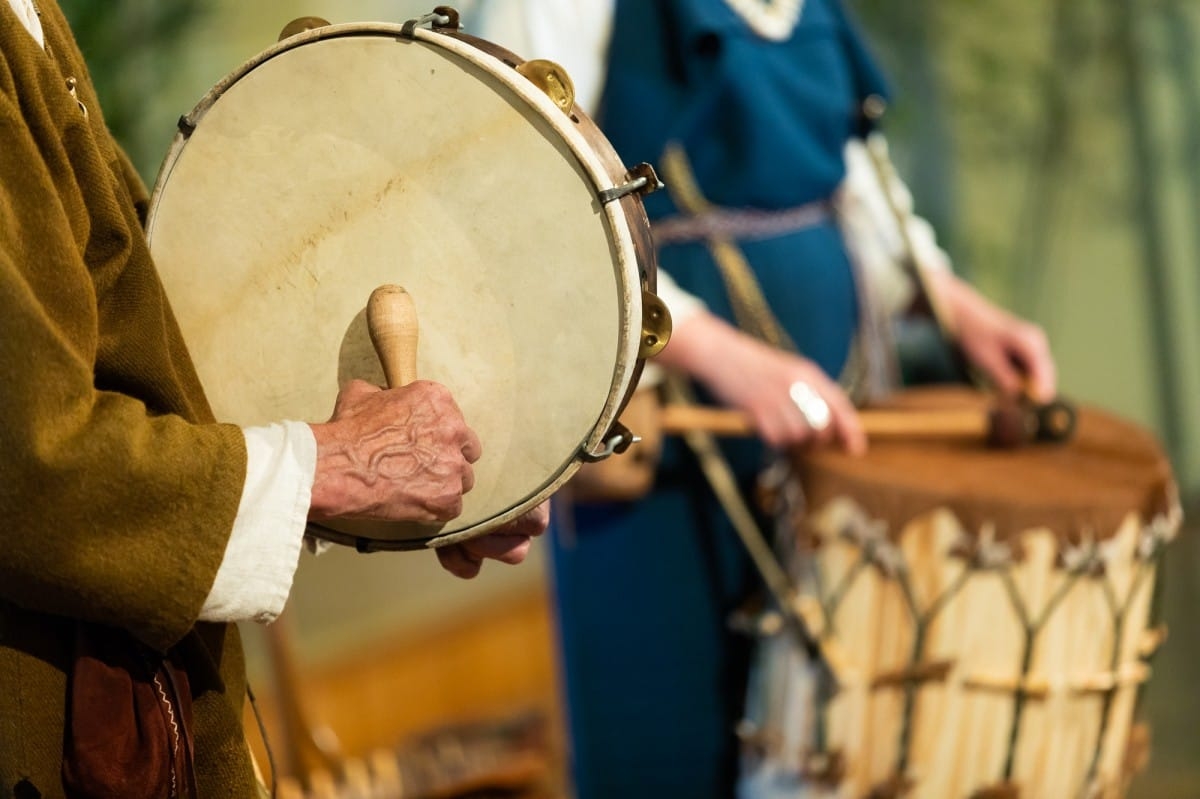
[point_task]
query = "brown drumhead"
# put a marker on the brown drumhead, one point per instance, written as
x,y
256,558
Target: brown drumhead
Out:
x,y
1087,484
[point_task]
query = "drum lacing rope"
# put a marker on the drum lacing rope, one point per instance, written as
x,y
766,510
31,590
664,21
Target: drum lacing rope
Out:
x,y
876,551
1032,628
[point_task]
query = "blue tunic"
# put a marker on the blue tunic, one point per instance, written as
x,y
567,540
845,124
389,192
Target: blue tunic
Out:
x,y
655,679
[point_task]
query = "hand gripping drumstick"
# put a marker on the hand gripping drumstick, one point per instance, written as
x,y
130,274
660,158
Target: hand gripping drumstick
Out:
x,y
392,324
1005,425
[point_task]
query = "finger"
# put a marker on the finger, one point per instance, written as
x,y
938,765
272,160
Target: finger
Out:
x,y
458,561
847,424
532,523
446,507
999,368
1038,365
468,478
538,518
784,429
504,547
472,448
351,393
797,411
1043,381
358,387
844,425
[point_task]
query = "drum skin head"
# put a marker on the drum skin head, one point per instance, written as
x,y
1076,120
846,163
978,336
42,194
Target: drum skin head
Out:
x,y
351,157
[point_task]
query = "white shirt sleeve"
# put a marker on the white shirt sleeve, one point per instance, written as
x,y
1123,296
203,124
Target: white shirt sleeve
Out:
x,y
680,303
872,230
255,577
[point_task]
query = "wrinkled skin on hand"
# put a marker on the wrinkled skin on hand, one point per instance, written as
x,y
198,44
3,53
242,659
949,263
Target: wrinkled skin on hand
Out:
x,y
401,454
508,544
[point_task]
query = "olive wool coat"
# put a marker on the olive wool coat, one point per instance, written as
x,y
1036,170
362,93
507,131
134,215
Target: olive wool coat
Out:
x,y
117,490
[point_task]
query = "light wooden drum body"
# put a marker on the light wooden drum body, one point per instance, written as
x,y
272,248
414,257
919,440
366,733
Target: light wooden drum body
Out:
x,y
992,609
352,156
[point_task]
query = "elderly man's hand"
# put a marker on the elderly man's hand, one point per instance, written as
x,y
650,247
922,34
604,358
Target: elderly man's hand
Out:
x,y
400,454
507,544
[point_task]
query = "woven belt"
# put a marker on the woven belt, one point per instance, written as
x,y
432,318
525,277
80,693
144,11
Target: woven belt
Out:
x,y
739,224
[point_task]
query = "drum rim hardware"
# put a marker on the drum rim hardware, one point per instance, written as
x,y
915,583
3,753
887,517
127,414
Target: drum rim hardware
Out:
x,y
442,17
619,439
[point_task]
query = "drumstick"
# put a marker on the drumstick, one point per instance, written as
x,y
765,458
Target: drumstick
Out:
x,y
1004,425
392,324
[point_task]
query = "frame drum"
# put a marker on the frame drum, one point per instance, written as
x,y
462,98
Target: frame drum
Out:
x,y
351,156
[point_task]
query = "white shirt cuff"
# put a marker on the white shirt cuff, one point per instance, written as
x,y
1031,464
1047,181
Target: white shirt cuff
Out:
x,y
255,577
679,302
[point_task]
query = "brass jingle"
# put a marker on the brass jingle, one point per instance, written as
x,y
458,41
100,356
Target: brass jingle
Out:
x,y
552,79
300,25
656,325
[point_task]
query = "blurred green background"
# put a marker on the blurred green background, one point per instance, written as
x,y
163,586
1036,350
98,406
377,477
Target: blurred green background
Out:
x,y
1055,144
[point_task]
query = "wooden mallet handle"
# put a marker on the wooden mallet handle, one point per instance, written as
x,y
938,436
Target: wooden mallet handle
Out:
x,y
1001,426
878,424
392,323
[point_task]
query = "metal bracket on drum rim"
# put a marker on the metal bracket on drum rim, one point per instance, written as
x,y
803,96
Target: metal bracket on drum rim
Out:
x,y
619,439
642,179
440,17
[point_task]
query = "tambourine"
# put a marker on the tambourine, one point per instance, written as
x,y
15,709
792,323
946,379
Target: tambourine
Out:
x,y
351,156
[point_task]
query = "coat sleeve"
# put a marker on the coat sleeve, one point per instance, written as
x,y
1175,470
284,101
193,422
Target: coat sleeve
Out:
x,y
113,509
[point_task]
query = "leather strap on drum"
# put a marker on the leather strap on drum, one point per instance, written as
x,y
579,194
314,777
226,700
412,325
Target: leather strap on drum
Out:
x,y
804,616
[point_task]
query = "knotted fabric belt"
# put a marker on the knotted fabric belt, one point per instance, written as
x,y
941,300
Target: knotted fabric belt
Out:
x,y
739,224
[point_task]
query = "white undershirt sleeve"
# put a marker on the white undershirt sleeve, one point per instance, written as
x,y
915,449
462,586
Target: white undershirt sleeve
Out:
x,y
255,577
872,229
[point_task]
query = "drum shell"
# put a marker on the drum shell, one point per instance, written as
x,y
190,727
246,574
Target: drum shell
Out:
x,y
994,637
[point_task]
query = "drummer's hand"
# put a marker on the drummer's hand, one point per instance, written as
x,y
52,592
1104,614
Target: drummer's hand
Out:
x,y
1012,352
757,378
400,454
507,544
